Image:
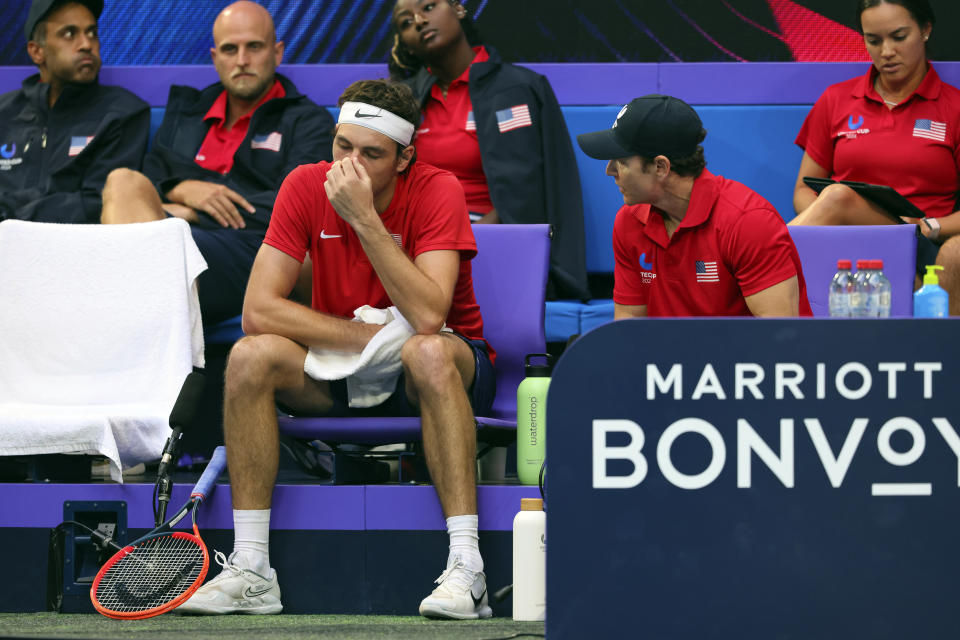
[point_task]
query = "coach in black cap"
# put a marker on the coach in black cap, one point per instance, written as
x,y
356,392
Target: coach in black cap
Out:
x,y
40,9
63,132
689,243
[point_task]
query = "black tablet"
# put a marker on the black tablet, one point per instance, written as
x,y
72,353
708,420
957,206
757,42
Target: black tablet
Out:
x,y
892,203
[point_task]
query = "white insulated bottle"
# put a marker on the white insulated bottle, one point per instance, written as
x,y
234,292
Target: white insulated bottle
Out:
x,y
530,561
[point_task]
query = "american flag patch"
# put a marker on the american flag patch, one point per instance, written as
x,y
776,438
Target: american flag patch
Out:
x,y
707,271
930,129
270,142
471,123
78,144
513,118
398,239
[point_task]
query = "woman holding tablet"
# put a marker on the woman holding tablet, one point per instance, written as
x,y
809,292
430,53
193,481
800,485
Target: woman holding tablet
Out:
x,y
898,125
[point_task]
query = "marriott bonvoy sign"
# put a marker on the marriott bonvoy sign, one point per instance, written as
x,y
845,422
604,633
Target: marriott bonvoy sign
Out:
x,y
774,452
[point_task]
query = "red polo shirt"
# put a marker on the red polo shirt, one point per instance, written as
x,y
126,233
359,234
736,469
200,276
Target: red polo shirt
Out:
x,y
731,244
426,213
216,152
914,148
447,137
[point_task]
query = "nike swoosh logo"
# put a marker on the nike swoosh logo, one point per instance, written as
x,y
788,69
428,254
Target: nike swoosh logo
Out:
x,y
476,601
252,592
324,236
365,115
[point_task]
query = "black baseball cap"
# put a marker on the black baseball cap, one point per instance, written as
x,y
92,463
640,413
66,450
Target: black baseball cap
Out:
x,y
40,8
649,126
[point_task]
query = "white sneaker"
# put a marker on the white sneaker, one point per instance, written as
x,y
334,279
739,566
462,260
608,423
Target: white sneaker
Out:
x,y
235,590
461,594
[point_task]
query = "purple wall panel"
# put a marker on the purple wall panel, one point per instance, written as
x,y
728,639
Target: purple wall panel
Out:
x,y
600,83
403,508
305,506
41,505
300,506
698,83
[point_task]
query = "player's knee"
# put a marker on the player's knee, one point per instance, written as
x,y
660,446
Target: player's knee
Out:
x,y
428,358
251,364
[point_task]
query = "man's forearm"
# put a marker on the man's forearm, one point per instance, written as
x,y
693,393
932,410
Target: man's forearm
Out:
x,y
306,326
419,298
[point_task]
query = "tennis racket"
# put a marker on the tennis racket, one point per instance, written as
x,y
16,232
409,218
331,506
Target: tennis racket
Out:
x,y
157,572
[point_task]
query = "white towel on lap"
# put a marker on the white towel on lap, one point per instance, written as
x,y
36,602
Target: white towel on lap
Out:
x,y
371,374
99,326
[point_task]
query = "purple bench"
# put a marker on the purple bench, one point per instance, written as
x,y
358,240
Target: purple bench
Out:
x,y
821,247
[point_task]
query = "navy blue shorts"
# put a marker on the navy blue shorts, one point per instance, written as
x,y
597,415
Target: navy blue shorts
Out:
x,y
481,392
229,254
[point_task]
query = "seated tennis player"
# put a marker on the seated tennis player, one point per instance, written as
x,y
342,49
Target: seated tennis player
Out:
x,y
386,231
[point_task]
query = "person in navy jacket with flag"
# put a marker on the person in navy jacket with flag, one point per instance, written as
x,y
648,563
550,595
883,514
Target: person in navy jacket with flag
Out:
x,y
897,125
63,131
497,127
221,154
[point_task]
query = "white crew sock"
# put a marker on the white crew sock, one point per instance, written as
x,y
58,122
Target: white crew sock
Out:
x,y
251,540
464,542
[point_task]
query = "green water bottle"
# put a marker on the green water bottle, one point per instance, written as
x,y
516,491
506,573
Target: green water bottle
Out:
x,y
531,419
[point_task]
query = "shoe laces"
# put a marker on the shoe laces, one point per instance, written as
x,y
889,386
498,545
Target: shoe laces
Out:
x,y
458,575
227,564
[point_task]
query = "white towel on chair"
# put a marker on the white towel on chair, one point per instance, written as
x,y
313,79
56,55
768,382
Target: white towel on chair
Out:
x,y
99,326
371,374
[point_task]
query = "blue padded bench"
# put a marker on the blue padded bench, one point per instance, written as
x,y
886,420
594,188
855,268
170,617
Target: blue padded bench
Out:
x,y
752,112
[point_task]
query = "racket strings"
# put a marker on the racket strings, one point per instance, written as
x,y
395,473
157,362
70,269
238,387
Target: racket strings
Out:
x,y
153,574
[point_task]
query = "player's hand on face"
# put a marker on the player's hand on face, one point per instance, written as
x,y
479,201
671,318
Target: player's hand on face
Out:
x,y
349,189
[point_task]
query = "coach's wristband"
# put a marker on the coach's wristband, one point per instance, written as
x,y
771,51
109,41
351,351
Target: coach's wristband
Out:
x,y
934,225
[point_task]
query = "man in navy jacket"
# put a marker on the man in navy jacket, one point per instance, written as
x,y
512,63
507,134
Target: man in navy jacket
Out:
x,y
221,153
63,132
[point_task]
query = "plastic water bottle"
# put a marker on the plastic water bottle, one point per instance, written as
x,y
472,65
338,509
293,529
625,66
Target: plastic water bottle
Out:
x,y
841,290
883,290
531,419
530,561
871,305
931,300
861,290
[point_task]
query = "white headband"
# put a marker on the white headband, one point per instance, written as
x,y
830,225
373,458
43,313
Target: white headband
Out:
x,y
381,120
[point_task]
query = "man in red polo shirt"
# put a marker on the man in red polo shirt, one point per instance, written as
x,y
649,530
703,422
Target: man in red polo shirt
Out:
x,y
687,242
384,231
221,153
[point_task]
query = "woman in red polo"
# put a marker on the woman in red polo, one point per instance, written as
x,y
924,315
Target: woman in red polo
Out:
x,y
496,126
898,125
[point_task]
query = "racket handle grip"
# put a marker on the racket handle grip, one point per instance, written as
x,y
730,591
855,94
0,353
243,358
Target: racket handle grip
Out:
x,y
209,478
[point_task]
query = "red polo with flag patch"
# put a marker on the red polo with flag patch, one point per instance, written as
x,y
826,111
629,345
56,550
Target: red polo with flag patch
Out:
x,y
219,145
447,137
426,213
731,244
914,147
